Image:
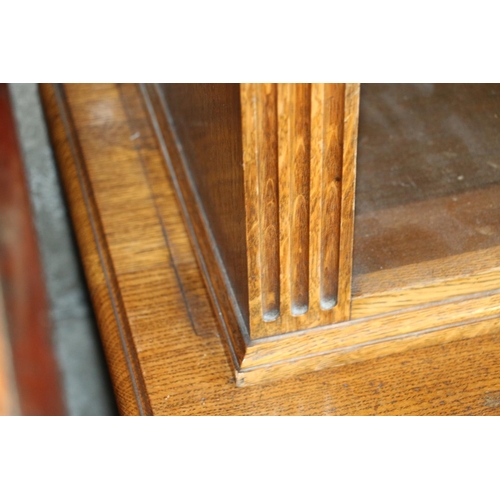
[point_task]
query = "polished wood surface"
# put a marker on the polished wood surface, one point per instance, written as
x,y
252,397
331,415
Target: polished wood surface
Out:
x,y
299,144
160,333
314,347
206,123
96,239
424,283
280,158
26,308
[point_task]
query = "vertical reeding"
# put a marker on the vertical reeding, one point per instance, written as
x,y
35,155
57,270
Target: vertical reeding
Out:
x,y
316,196
351,112
300,176
284,160
250,146
333,132
267,162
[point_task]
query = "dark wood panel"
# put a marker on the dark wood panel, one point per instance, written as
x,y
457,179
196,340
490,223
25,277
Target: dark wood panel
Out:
x,y
428,173
423,141
207,121
26,305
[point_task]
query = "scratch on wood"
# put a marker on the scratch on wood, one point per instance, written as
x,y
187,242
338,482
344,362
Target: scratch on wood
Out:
x,y
492,399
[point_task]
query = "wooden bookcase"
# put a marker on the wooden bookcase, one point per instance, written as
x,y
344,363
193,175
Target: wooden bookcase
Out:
x,y
330,223
266,174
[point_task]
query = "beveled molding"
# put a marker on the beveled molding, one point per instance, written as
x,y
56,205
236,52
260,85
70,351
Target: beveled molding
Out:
x,y
313,345
297,196
74,133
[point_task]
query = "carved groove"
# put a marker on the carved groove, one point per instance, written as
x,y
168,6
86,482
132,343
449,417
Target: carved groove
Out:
x,y
333,131
300,148
267,166
298,186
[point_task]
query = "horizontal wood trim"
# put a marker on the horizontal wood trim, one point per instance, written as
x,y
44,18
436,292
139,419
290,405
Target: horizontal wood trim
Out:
x,y
423,283
419,320
369,349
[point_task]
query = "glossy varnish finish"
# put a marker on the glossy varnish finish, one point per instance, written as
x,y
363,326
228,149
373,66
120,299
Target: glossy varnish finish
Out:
x,y
315,346
299,144
160,334
283,158
225,302
206,123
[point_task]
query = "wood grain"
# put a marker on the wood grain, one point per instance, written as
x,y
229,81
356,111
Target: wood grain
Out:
x,y
299,167
205,120
278,158
175,355
295,117
262,198
110,136
425,282
311,349
225,303
326,188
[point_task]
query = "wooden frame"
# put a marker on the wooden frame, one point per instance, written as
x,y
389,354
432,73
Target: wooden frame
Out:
x,y
303,252
158,329
299,162
138,121
298,210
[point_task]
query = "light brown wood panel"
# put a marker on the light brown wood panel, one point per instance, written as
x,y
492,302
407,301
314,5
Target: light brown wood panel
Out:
x,y
299,185
425,282
172,360
92,240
